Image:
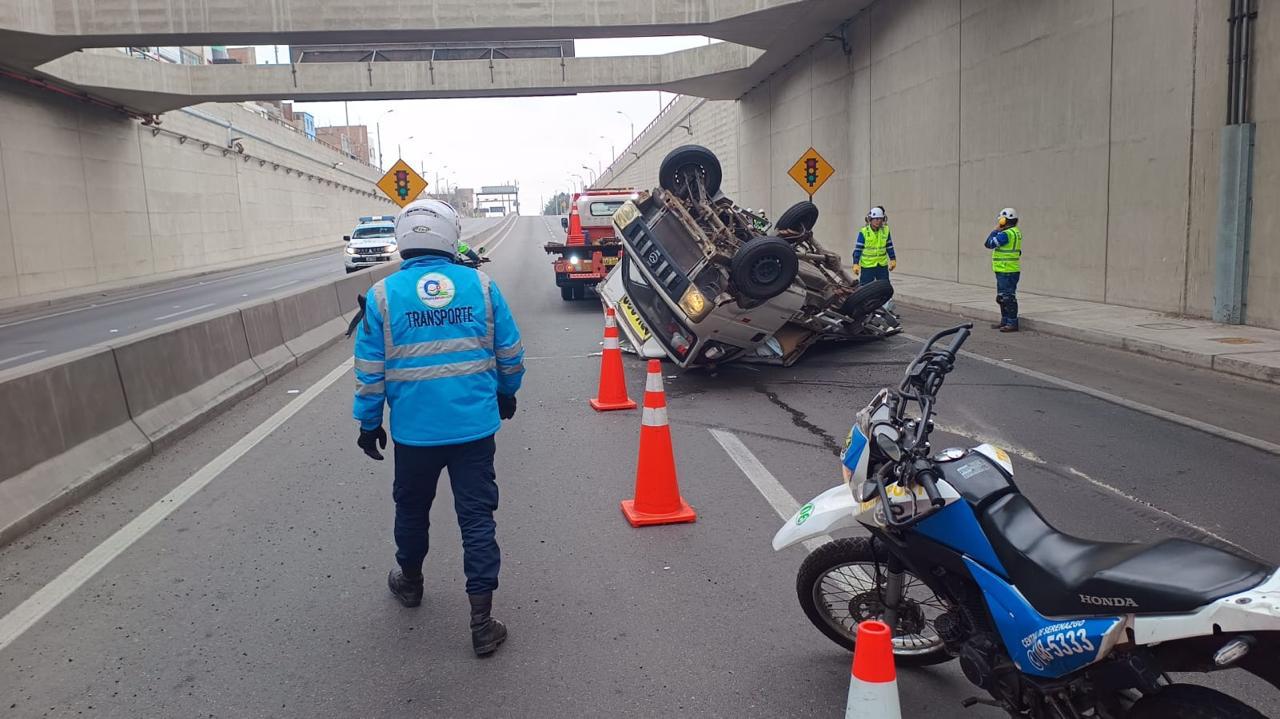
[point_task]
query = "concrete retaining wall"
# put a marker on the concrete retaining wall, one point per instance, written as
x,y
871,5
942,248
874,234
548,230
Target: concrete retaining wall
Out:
x,y
93,200
1098,120
77,420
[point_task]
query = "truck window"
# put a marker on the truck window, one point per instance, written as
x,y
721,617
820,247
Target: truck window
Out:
x,y
605,208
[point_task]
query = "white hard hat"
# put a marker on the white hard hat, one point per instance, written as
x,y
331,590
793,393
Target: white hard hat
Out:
x,y
1009,213
876,213
428,225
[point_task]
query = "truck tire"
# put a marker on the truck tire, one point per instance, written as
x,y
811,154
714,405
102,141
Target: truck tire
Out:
x,y
764,268
866,299
673,175
799,217
566,293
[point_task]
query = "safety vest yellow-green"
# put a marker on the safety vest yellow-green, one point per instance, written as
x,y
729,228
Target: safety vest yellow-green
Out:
x,y
875,246
1008,258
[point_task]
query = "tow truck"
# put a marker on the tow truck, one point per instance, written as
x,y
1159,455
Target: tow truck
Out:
x,y
591,248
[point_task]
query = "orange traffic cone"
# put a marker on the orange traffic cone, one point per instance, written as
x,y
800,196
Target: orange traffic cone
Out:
x,y
575,235
873,684
658,499
613,383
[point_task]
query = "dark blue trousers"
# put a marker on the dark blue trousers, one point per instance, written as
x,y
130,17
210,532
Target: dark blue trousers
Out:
x,y
1007,297
475,498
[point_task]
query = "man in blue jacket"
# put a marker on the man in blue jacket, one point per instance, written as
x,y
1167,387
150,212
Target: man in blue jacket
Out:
x,y
439,346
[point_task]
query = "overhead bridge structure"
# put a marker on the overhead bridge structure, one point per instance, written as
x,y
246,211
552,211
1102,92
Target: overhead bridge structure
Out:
x,y
54,41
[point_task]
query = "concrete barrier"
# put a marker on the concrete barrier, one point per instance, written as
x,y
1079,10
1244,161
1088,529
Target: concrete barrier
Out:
x,y
266,339
67,429
175,377
310,319
348,289
77,420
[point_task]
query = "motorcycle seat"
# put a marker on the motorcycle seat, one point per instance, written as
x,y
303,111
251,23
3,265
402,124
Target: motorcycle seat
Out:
x,y
1062,575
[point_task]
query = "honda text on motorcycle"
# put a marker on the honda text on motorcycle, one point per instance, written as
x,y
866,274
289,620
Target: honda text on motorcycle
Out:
x,y
1050,626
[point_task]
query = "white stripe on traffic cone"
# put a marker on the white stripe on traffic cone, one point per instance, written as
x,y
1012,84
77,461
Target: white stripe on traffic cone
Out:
x,y
873,683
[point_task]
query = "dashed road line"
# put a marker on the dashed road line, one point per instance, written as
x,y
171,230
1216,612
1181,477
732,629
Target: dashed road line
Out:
x,y
768,485
184,312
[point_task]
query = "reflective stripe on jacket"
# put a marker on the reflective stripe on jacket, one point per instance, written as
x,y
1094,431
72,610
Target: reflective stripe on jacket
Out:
x,y
438,344
1008,257
875,247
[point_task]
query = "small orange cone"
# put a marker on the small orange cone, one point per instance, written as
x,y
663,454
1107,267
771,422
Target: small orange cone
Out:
x,y
575,235
873,683
658,499
613,382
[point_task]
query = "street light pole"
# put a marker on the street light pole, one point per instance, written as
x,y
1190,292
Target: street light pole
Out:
x,y
633,123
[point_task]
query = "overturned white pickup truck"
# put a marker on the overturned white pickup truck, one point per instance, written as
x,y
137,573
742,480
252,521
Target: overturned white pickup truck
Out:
x,y
703,282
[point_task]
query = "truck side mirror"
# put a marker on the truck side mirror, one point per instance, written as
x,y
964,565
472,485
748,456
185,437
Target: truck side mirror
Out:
x,y
564,222
346,238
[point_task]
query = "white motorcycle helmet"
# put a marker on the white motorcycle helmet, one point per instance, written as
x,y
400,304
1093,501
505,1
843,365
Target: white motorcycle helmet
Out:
x,y
1006,216
429,225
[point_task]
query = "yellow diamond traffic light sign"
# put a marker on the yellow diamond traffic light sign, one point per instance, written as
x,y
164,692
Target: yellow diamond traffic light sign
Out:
x,y
402,184
811,171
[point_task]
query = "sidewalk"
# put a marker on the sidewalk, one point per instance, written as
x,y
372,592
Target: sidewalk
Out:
x,y
1251,352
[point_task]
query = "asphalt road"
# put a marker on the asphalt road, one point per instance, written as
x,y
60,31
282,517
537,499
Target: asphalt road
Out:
x,y
263,594
109,316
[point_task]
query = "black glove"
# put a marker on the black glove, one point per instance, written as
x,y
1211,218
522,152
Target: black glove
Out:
x,y
371,439
506,406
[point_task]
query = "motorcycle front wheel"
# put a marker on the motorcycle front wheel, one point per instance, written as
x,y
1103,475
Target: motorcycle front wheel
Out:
x,y
841,584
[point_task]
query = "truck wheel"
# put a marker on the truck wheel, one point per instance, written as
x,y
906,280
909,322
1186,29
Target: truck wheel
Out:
x,y
566,293
866,299
799,217
764,268
683,164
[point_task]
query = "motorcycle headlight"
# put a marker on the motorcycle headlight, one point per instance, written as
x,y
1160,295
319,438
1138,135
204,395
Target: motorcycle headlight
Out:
x,y
694,304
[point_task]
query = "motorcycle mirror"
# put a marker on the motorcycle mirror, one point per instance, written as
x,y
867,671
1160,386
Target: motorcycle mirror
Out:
x,y
480,250
889,447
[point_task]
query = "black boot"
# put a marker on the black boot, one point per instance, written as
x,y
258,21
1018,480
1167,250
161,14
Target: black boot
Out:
x,y
486,632
407,589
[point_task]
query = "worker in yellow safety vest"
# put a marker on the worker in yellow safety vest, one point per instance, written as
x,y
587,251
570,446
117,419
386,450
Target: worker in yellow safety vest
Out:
x,y
873,254
1005,243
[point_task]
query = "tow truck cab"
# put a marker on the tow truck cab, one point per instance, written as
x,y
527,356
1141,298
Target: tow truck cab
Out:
x,y
591,248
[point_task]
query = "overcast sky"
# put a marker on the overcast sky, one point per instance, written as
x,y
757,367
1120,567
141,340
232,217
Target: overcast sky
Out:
x,y
537,141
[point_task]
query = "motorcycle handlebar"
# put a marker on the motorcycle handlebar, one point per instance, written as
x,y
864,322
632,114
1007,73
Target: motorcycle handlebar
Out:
x,y
927,480
961,336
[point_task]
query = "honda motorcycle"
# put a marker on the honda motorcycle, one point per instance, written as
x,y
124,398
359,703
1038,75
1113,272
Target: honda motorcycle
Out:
x,y
961,565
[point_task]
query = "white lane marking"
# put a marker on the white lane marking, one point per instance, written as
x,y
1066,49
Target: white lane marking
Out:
x,y
184,312
1033,458
122,300
1213,429
15,358
283,284
25,615
768,485
493,246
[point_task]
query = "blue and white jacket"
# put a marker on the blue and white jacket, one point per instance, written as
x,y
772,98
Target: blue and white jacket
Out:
x,y
438,344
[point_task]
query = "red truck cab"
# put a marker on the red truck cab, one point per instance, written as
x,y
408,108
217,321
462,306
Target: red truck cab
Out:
x,y
590,248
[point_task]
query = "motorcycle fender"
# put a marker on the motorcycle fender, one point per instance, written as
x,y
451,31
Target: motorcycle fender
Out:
x,y
833,509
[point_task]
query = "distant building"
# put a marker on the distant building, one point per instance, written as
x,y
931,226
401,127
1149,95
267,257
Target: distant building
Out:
x,y
353,140
243,55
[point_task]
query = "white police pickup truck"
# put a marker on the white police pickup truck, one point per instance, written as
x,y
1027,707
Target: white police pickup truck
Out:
x,y
372,241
